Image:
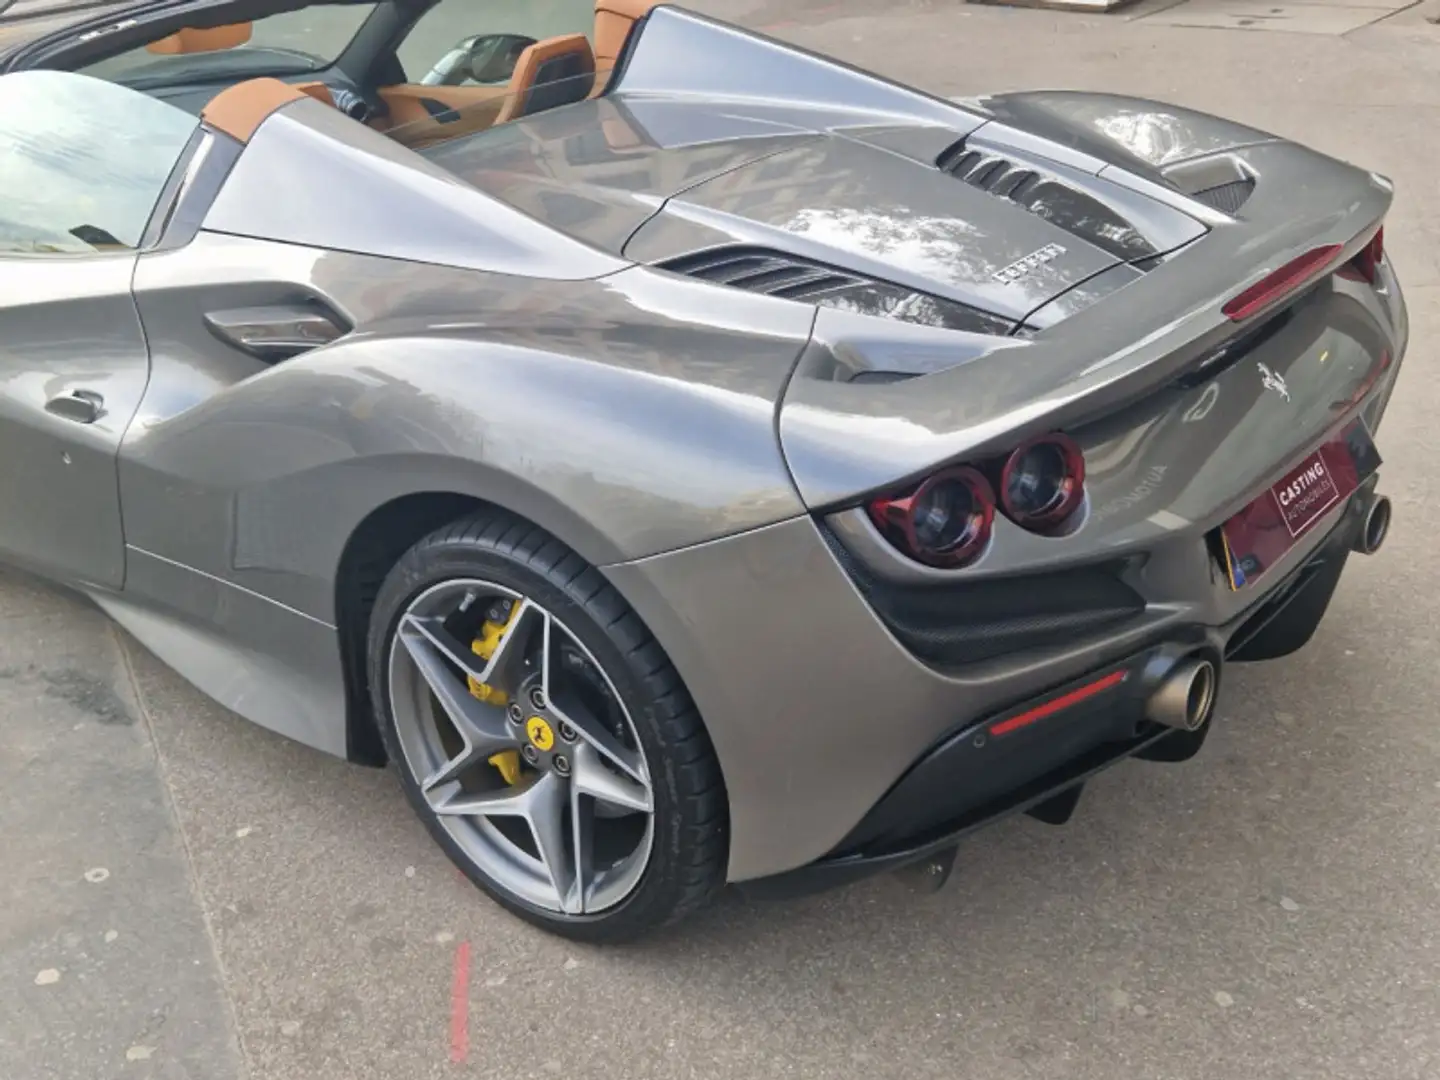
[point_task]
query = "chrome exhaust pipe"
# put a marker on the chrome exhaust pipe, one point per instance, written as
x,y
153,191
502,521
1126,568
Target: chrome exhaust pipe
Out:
x,y
1375,528
1186,697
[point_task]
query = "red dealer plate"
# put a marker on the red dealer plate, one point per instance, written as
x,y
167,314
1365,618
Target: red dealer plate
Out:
x,y
1258,536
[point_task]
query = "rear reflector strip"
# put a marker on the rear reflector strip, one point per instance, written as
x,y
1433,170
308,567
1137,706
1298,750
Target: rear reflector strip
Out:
x,y
1054,705
1280,283
1365,266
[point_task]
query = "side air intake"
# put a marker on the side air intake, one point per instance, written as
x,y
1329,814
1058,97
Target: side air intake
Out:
x,y
777,273
1046,196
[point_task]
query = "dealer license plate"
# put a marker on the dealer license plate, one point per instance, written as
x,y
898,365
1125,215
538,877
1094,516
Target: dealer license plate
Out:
x,y
1258,536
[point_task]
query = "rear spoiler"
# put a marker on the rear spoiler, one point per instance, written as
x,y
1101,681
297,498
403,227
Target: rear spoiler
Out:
x,y
844,439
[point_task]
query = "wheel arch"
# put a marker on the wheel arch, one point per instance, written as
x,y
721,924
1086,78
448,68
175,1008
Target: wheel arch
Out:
x,y
373,546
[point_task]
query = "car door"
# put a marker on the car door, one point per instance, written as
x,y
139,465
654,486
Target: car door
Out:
x,y
82,165
72,368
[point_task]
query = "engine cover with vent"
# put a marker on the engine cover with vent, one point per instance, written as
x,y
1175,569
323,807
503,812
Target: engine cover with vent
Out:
x,y
881,217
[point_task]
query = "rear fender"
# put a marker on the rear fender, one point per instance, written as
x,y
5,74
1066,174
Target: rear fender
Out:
x,y
262,483
622,416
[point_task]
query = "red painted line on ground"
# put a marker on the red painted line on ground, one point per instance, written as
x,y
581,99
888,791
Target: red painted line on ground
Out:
x,y
460,1004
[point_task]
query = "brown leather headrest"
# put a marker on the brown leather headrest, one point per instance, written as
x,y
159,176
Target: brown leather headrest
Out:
x,y
530,60
242,108
214,39
527,67
613,20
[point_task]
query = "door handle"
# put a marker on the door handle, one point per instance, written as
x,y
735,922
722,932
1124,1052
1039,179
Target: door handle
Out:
x,y
278,332
82,406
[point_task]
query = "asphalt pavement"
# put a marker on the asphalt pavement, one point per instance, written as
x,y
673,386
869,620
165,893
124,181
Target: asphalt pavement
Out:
x,y
188,896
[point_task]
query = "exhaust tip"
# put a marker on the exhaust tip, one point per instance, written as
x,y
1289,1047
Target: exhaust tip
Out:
x,y
1376,526
1186,697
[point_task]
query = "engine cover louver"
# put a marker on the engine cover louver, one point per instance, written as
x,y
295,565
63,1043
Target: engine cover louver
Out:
x,y
777,273
759,270
1046,196
1227,198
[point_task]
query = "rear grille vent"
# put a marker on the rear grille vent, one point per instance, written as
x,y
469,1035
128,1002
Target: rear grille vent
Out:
x,y
1229,197
1045,196
777,273
951,625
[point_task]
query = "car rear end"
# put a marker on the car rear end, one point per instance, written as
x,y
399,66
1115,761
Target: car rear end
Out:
x,y
1164,482
1089,410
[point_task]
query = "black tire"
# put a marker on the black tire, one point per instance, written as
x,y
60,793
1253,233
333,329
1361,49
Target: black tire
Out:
x,y
691,841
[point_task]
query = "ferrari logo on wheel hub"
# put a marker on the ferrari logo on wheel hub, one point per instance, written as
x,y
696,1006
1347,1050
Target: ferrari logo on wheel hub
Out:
x,y
541,735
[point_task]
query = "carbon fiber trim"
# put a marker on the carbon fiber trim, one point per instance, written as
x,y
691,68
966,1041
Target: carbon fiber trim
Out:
x,y
950,626
1227,198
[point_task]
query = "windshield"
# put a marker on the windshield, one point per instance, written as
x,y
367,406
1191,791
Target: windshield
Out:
x,y
290,43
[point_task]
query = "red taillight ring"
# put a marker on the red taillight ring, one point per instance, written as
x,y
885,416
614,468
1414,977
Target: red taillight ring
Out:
x,y
1072,486
895,516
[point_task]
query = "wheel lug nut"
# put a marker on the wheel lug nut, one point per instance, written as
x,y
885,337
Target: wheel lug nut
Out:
x,y
567,732
516,713
562,764
530,754
537,698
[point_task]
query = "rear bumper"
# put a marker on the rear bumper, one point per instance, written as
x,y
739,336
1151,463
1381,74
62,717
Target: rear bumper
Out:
x,y
1007,763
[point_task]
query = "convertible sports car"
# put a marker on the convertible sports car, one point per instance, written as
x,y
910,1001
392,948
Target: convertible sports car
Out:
x,y
684,458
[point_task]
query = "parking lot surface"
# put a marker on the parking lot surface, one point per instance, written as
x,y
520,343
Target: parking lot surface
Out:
x,y
188,896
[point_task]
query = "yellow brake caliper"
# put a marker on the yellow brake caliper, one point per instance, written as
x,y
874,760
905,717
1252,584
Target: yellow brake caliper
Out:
x,y
484,646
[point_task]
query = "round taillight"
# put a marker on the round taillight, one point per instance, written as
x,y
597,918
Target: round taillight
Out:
x,y
1043,481
945,522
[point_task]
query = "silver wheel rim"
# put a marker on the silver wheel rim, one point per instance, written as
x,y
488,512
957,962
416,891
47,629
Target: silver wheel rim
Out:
x,y
573,835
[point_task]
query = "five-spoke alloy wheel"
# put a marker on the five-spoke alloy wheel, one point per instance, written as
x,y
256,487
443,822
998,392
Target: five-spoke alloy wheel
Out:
x,y
529,714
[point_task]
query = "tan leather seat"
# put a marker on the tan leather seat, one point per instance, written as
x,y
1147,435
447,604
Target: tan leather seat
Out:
x,y
554,72
614,19
418,116
213,39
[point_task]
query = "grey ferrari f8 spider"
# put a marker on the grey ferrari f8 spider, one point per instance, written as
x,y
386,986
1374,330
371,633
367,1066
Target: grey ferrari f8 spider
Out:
x,y
685,459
